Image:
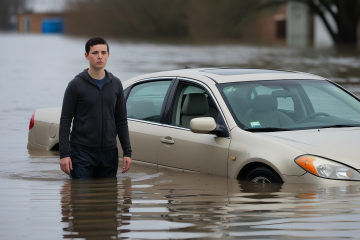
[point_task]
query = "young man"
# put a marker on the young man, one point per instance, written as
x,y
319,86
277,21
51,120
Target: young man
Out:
x,y
94,101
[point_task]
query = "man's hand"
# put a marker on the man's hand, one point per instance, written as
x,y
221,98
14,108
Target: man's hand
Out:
x,y
126,164
66,165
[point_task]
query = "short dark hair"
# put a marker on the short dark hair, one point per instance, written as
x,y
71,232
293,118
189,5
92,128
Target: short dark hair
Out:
x,y
95,41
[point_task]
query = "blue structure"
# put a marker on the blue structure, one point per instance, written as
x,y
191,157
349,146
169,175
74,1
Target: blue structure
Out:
x,y
53,25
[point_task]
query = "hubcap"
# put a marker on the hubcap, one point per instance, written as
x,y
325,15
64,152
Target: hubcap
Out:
x,y
261,180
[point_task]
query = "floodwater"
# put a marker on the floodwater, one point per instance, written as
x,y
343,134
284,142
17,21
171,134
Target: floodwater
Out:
x,y
38,201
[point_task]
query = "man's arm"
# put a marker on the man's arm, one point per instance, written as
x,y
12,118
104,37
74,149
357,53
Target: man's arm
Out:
x,y
122,128
67,114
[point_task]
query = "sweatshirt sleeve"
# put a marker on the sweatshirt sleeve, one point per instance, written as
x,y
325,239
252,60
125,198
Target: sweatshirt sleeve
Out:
x,y
121,123
67,114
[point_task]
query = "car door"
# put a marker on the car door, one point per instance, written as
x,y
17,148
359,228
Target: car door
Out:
x,y
145,104
179,147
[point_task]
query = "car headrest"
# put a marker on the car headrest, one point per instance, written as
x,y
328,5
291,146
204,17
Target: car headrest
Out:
x,y
195,104
262,103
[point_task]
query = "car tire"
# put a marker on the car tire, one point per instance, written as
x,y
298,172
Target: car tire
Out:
x,y
263,175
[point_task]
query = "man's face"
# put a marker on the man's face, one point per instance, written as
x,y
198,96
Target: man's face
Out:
x,y
98,56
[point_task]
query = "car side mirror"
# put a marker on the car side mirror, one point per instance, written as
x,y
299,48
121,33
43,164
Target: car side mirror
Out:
x,y
202,125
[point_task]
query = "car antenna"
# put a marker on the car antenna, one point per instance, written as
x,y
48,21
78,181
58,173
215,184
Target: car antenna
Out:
x,y
187,67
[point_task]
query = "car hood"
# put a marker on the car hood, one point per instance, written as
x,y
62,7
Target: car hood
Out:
x,y
339,144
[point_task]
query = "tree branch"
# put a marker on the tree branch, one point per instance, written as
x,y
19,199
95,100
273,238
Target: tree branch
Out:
x,y
318,11
329,9
337,4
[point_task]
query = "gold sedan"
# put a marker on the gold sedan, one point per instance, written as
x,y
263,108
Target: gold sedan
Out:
x,y
260,125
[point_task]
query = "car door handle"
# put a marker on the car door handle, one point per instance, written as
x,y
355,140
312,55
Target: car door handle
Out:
x,y
168,141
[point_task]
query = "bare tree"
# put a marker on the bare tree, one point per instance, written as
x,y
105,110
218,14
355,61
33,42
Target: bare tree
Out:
x,y
345,14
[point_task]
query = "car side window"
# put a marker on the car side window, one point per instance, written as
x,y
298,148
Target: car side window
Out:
x,y
146,99
192,102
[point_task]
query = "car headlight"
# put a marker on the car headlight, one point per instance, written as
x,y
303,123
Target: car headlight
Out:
x,y
326,168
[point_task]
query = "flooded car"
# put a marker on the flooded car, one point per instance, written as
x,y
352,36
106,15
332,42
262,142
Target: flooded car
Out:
x,y
267,126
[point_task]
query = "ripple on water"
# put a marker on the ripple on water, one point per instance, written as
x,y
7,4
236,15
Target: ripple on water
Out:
x,y
187,207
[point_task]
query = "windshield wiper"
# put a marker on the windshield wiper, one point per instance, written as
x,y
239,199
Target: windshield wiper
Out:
x,y
340,126
267,129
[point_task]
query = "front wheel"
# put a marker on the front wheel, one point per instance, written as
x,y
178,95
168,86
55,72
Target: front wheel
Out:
x,y
263,175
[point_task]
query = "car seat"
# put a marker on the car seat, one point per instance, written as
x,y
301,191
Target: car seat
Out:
x,y
195,105
264,111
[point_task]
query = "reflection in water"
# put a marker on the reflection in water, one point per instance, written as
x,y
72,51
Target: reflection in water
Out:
x,y
95,209
156,203
262,190
298,211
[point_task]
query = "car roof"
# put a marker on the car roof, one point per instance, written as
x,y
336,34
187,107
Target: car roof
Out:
x,y
227,75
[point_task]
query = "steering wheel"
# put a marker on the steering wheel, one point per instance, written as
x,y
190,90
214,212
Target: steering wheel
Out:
x,y
312,116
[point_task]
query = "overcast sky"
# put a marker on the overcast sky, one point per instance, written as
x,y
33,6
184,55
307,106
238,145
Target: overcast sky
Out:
x,y
46,5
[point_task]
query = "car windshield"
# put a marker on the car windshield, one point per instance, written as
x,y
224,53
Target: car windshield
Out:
x,y
284,105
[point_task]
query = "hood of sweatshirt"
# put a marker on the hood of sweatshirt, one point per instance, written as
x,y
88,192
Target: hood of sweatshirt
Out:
x,y
86,76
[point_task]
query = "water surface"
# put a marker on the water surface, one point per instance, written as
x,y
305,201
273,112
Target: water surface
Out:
x,y
38,201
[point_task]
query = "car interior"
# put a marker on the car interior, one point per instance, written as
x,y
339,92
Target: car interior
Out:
x,y
145,100
191,102
293,106
264,110
195,102
272,108
142,109
255,105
